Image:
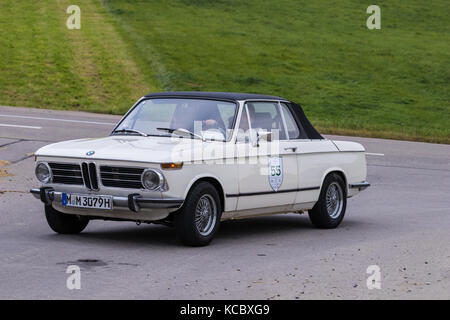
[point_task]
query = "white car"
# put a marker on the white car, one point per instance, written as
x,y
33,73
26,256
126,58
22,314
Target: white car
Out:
x,y
193,159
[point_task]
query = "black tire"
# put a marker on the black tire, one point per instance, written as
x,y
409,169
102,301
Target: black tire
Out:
x,y
65,223
184,220
319,214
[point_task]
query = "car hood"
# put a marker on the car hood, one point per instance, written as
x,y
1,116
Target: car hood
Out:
x,y
127,148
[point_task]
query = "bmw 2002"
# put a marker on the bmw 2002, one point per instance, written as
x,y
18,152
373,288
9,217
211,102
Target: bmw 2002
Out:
x,y
193,159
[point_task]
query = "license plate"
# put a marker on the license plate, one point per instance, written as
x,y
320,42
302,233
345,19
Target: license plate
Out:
x,y
87,201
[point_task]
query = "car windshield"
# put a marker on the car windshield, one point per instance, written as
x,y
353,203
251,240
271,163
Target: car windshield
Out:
x,y
193,118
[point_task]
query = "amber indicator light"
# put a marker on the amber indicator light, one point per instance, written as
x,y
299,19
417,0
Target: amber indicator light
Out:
x,y
172,165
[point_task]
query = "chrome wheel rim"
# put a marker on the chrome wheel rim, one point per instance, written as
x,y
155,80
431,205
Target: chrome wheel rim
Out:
x,y
205,214
334,200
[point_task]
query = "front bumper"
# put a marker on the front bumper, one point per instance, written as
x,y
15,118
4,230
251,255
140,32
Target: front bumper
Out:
x,y
134,202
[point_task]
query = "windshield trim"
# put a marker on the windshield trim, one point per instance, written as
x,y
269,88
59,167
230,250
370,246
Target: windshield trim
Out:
x,y
144,98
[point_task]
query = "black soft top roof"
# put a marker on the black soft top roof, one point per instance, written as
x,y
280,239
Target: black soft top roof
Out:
x,y
308,132
214,95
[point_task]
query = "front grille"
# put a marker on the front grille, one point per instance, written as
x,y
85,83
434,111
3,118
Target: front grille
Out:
x,y
89,171
93,176
66,173
121,177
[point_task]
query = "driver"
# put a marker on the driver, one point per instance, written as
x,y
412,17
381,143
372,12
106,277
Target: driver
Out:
x,y
209,124
210,118
187,115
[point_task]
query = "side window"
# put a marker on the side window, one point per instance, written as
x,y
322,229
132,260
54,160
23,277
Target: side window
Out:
x,y
266,116
292,127
227,112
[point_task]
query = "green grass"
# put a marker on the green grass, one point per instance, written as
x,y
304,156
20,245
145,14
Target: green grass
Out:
x,y
390,83
43,64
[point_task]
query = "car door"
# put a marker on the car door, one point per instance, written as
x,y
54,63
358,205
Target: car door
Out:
x,y
314,158
267,167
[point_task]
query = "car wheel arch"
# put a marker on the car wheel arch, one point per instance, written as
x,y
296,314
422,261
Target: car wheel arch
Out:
x,y
214,181
338,171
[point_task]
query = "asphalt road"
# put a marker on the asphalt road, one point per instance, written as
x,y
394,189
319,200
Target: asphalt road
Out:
x,y
401,224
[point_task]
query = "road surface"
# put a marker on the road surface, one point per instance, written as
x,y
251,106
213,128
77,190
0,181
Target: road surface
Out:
x,y
400,224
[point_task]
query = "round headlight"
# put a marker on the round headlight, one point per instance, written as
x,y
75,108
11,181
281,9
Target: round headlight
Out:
x,y
43,172
152,179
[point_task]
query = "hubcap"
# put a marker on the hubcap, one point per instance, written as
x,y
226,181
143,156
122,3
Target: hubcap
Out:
x,y
205,214
334,200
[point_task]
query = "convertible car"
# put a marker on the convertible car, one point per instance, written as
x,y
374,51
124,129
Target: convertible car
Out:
x,y
193,159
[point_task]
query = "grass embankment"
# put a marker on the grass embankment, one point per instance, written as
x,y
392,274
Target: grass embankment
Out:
x,y
45,65
391,83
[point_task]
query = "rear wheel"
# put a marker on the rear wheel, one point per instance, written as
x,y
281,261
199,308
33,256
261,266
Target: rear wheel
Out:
x,y
329,210
198,220
65,223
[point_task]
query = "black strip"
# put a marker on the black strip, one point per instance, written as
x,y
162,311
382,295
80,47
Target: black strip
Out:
x,y
247,194
360,185
132,205
44,197
306,124
220,309
166,203
93,176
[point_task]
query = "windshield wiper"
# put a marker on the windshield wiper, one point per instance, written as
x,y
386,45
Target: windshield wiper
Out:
x,y
130,131
182,130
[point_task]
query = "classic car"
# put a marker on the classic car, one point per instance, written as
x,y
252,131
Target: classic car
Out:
x,y
193,159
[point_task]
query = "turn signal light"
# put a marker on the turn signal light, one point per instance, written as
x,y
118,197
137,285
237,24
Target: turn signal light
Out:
x,y
172,165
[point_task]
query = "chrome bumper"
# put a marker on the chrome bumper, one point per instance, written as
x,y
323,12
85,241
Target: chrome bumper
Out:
x,y
360,186
134,201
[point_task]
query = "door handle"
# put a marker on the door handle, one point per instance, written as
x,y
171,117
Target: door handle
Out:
x,y
293,149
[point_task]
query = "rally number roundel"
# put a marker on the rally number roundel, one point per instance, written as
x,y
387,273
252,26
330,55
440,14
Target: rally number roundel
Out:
x,y
275,172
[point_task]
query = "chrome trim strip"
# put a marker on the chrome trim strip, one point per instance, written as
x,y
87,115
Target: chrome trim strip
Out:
x,y
131,174
247,194
111,179
83,171
65,176
88,166
66,169
286,132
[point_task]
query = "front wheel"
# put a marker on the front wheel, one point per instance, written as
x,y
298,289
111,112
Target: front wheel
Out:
x,y
199,218
329,210
64,223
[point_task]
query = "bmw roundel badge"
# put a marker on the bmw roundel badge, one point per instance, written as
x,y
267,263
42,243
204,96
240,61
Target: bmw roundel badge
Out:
x,y
90,153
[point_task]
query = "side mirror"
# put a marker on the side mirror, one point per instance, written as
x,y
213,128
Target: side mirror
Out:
x,y
263,135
